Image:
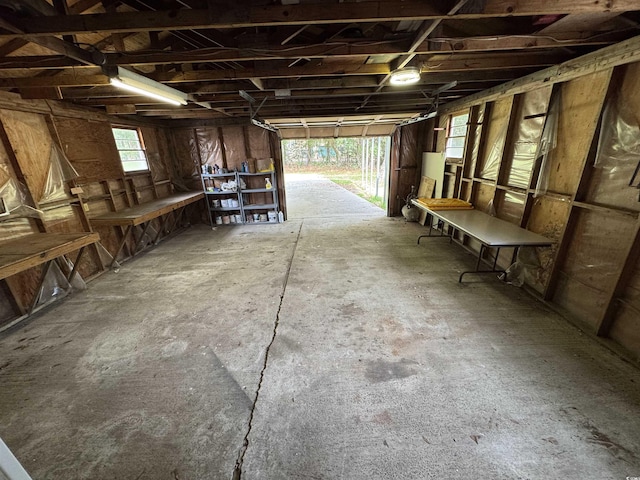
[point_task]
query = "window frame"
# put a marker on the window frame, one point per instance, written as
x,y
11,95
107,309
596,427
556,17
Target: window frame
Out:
x,y
449,136
142,149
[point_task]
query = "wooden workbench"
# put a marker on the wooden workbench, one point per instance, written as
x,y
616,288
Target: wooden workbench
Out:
x,y
140,214
143,214
23,253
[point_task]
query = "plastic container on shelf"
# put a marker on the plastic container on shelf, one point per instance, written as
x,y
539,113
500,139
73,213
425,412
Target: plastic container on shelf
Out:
x,y
273,216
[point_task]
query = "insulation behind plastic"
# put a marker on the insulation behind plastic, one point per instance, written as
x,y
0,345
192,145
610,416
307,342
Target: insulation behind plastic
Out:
x,y
14,197
60,173
511,207
234,147
186,153
496,137
615,179
259,143
209,147
527,136
476,129
548,142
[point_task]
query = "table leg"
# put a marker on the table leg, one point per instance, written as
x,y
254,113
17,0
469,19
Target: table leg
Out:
x,y
177,218
440,226
121,246
45,272
75,266
479,260
139,241
160,230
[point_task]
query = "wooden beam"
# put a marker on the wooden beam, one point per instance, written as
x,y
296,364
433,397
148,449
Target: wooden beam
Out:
x,y
11,46
52,93
332,69
554,7
302,14
65,48
489,61
425,30
121,109
526,42
62,9
221,55
82,6
606,58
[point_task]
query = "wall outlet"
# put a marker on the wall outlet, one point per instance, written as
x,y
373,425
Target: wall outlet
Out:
x,y
85,206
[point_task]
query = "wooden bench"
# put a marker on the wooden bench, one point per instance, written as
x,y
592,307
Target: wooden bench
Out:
x,y
143,214
491,232
23,253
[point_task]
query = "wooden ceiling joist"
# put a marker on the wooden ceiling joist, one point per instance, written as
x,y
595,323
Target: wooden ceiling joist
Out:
x,y
300,14
221,55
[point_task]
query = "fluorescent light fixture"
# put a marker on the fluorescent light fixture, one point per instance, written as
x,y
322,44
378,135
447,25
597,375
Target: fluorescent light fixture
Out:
x,y
142,85
405,76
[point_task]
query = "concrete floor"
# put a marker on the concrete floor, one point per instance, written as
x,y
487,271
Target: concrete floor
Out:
x,y
368,360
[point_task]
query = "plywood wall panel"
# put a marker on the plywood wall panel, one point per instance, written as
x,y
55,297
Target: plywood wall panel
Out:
x,y
626,329
483,198
592,263
582,101
31,143
548,217
90,148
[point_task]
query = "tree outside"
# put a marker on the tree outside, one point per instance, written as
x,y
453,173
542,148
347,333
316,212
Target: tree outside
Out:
x,y
358,164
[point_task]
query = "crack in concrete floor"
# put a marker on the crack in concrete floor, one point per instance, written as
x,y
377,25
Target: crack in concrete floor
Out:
x,y
237,470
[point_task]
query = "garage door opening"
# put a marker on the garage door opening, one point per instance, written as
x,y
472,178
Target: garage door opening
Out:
x,y
357,164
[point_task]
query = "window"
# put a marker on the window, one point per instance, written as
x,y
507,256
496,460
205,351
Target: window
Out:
x,y
457,135
131,149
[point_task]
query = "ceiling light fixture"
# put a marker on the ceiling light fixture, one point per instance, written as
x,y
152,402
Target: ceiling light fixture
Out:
x,y
142,85
405,76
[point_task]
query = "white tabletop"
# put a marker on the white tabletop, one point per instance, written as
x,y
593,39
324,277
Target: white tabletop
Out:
x,y
489,230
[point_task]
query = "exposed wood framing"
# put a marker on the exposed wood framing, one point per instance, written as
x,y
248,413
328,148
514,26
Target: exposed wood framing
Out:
x,y
301,14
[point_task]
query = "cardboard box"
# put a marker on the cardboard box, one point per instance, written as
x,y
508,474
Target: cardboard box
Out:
x,y
264,165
